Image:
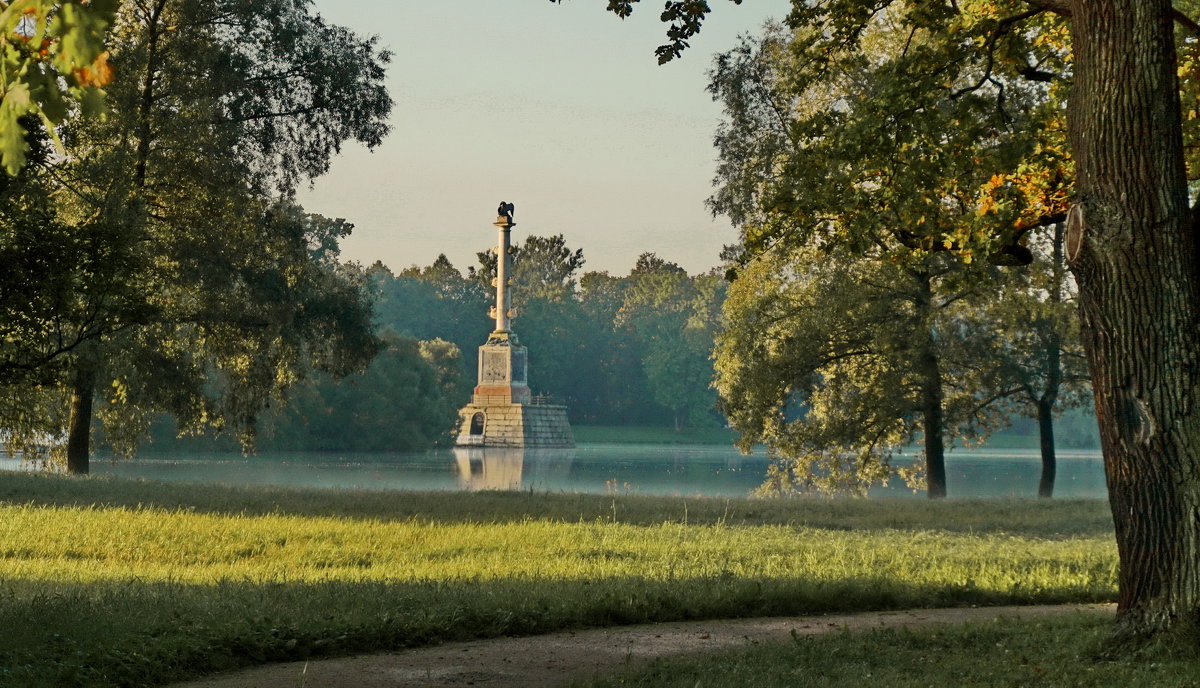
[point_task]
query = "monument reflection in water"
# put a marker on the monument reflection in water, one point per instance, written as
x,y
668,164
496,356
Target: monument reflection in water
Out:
x,y
512,468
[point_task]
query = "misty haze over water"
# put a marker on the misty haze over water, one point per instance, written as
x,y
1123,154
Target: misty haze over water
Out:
x,y
598,469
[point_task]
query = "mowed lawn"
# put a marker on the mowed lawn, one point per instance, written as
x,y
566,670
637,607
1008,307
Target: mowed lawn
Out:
x,y
110,582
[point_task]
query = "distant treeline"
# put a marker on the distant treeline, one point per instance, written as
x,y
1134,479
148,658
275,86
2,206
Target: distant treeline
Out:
x,y
617,350
626,349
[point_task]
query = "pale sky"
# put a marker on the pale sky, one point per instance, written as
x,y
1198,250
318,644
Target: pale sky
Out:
x,y
559,109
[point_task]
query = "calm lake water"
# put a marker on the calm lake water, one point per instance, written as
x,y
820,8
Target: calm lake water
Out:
x,y
602,469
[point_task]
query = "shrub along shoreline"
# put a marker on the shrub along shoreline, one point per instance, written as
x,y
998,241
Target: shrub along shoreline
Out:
x,y
117,582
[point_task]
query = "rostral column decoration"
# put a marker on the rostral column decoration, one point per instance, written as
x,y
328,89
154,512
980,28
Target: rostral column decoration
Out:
x,y
502,312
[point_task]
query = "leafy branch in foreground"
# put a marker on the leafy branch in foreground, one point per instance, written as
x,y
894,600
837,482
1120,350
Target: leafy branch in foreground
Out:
x,y
52,56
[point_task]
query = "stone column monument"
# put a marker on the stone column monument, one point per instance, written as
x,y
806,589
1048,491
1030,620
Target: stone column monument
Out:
x,y
502,412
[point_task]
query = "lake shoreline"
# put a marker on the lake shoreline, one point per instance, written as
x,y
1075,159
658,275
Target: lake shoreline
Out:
x,y
602,468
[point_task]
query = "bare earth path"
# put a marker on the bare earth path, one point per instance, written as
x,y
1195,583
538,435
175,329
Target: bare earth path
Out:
x,y
558,659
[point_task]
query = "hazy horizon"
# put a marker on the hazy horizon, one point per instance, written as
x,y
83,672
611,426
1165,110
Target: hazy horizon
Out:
x,y
560,109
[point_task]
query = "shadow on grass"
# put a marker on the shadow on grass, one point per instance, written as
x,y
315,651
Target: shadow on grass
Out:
x,y
1025,517
131,633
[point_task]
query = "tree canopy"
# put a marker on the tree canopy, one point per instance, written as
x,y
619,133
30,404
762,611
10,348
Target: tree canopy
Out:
x,y
201,290
897,226
1130,235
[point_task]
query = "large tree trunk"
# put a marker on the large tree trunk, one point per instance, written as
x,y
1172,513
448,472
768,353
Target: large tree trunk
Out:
x,y
79,432
1131,246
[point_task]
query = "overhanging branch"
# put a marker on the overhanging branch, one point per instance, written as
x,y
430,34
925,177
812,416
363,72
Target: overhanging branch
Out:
x,y
1062,7
1186,22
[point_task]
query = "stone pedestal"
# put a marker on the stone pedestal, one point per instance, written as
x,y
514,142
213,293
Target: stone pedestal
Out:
x,y
515,425
502,374
502,413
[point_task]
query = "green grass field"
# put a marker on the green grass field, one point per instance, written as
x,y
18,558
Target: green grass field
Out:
x,y
1007,653
106,582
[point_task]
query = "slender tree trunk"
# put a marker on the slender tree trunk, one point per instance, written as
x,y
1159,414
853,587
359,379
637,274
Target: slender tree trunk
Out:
x,y
146,106
79,433
1052,374
1049,460
1131,245
930,371
931,413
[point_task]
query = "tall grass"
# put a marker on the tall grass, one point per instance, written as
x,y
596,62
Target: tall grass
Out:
x,y
109,582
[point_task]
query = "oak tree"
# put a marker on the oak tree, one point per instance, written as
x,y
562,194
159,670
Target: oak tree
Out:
x,y
218,109
1131,243
802,169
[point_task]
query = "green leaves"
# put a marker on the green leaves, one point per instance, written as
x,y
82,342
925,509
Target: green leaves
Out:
x,y
899,142
54,53
406,400
674,318
164,253
875,126
823,359
684,17
15,104
80,28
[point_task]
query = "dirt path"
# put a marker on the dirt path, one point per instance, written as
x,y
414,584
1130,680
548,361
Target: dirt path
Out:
x,y
558,659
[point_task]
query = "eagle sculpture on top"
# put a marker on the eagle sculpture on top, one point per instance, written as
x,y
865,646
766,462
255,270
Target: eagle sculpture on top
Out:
x,y
505,210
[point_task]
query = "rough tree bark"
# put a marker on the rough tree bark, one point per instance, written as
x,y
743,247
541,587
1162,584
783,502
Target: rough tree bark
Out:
x,y
1131,245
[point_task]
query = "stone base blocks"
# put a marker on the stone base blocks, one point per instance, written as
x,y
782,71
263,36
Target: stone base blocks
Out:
x,y
514,425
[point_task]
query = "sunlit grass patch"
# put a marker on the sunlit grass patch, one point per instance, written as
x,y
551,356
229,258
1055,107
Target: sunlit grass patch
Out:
x,y
76,544
108,582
